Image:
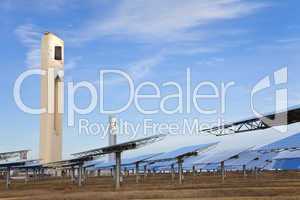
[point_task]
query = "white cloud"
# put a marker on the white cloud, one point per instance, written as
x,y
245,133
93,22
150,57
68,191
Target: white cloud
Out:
x,y
168,20
137,70
211,61
191,50
34,5
175,25
30,36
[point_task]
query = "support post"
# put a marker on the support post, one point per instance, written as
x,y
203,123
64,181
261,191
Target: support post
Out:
x,y
85,175
72,174
172,173
118,170
223,171
255,171
244,171
137,173
43,173
194,170
125,171
145,171
34,175
80,175
38,174
8,178
180,171
26,176
111,172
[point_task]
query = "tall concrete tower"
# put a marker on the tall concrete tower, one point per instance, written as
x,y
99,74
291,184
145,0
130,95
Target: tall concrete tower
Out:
x,y
112,135
52,62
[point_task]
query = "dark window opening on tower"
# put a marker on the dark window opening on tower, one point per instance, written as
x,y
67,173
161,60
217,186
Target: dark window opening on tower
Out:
x,y
58,53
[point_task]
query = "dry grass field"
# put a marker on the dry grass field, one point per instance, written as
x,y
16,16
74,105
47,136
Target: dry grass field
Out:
x,y
269,185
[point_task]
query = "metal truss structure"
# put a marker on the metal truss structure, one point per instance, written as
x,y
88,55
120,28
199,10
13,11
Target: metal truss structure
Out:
x,y
21,155
259,123
119,147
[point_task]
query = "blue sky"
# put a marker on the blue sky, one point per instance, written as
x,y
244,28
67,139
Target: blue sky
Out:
x,y
220,41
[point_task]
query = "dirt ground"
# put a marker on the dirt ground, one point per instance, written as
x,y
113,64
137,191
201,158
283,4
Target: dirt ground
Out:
x,y
275,186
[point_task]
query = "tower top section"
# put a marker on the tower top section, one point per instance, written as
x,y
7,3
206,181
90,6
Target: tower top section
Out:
x,y
52,51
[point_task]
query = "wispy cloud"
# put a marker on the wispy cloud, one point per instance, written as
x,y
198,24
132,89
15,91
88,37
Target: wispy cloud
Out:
x,y
164,21
137,70
33,5
30,36
142,67
211,61
291,44
175,26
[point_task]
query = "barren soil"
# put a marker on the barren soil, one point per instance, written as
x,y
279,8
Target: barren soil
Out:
x,y
268,185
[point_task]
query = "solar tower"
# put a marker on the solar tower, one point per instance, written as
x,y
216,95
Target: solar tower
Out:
x,y
52,64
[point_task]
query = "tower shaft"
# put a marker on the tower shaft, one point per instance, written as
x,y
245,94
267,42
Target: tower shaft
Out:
x,y
52,63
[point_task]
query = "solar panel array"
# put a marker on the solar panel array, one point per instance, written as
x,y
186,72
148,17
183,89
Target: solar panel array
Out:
x,y
181,152
204,157
220,156
287,164
291,142
242,159
287,155
262,161
233,158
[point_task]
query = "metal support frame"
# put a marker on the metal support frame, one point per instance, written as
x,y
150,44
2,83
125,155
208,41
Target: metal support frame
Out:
x,y
223,171
145,171
38,174
26,176
85,175
256,172
180,172
34,175
194,170
8,178
251,125
42,173
244,171
172,172
21,154
80,175
111,171
118,170
72,174
137,173
269,120
126,172
93,153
